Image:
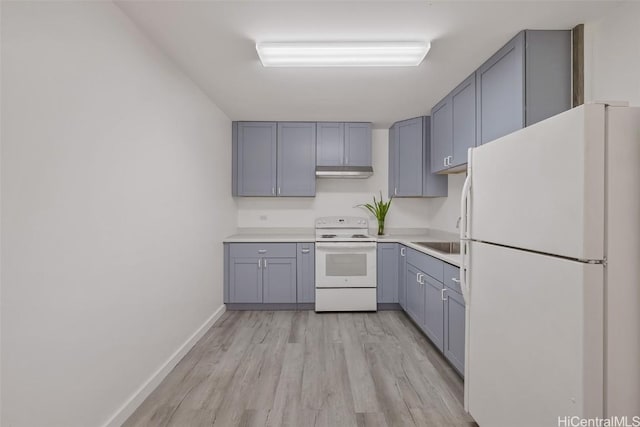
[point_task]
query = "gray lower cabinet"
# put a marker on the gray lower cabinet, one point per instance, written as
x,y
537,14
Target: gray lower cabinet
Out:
x,y
431,296
402,272
454,329
526,81
279,280
388,274
343,144
410,172
245,280
415,294
434,311
306,274
269,273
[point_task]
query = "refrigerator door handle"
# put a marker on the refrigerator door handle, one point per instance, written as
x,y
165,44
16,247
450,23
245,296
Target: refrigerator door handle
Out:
x,y
464,228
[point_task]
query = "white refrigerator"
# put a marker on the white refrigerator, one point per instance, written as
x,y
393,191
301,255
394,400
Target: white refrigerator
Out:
x,y
551,270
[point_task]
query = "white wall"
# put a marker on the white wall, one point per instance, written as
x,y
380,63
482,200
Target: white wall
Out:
x,y
340,196
115,197
612,55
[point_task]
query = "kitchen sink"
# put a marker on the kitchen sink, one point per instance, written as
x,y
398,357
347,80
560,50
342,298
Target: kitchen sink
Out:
x,y
444,247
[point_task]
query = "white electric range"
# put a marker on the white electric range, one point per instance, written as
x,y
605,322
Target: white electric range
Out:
x,y
345,265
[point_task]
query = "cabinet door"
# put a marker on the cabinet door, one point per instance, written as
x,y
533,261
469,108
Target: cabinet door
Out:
x,y
306,273
279,280
256,158
414,295
454,323
393,155
433,185
434,311
441,134
463,106
245,280
296,159
500,92
357,144
409,158
330,148
387,272
402,272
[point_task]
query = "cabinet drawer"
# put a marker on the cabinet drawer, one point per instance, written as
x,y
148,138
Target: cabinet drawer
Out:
x,y
428,264
258,250
452,272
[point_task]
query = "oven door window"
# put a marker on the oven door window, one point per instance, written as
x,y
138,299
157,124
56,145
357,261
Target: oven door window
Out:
x,y
346,265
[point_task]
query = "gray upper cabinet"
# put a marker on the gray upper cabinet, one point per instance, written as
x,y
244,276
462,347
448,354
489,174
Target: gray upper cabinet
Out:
x,y
527,80
330,148
408,158
254,158
409,161
296,159
274,159
279,280
306,274
357,144
387,272
441,134
500,92
343,144
463,109
453,129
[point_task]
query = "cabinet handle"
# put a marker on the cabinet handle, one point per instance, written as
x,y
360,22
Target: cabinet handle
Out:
x,y
265,263
278,190
455,280
445,161
259,262
418,278
262,251
273,190
442,294
305,251
395,191
402,251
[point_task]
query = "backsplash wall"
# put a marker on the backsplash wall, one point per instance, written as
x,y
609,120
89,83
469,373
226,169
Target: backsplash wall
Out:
x,y
340,196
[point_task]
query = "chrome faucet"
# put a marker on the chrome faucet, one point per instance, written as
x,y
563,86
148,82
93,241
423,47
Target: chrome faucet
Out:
x,y
458,222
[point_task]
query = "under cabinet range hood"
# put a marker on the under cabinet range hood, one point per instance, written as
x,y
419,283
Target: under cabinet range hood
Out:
x,y
344,171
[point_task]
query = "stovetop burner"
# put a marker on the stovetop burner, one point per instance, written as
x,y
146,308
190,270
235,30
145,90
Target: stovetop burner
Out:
x,y
328,236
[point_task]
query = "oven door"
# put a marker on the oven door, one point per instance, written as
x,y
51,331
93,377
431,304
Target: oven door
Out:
x,y
346,265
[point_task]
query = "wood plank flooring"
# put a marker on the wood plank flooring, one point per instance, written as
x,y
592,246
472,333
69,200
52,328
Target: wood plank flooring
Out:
x,y
288,368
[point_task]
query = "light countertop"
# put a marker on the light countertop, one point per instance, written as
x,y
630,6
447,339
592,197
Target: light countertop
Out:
x,y
305,235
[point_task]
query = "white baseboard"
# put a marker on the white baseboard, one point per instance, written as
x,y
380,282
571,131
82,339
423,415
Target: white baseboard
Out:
x,y
145,390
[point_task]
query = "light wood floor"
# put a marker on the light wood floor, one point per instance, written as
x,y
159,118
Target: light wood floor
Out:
x,y
285,368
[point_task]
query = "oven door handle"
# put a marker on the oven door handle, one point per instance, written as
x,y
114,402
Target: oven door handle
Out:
x,y
339,246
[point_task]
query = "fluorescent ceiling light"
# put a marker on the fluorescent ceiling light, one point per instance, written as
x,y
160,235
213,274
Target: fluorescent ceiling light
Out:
x,y
342,54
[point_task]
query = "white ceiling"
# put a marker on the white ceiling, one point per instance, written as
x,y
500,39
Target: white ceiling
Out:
x,y
214,43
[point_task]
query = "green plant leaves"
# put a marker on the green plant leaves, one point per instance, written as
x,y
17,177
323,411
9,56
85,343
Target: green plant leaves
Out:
x,y
379,208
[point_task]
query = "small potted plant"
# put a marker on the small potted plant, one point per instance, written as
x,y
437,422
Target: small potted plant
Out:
x,y
379,209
